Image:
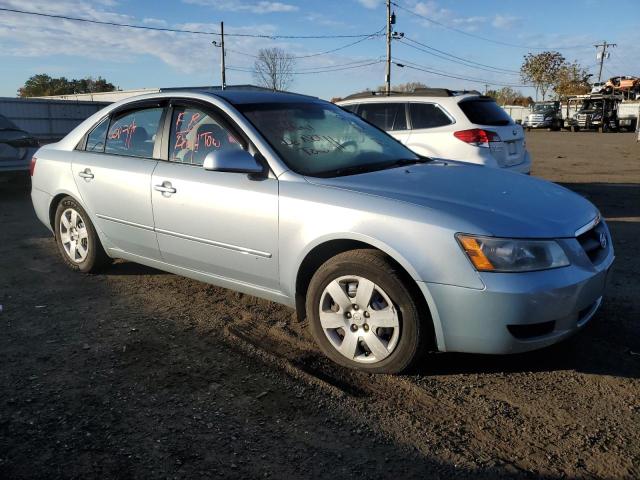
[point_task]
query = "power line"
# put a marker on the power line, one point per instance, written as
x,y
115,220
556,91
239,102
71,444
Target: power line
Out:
x,y
317,54
466,63
454,58
248,70
178,30
480,37
448,75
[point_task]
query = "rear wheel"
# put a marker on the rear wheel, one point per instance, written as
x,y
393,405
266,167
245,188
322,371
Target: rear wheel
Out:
x,y
76,237
363,315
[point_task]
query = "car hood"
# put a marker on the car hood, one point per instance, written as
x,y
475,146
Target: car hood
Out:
x,y
497,202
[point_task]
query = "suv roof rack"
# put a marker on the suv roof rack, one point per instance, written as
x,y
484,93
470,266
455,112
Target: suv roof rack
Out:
x,y
418,92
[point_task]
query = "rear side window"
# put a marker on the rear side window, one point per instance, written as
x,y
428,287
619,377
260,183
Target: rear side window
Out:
x,y
95,140
350,108
386,116
427,115
194,134
484,112
134,133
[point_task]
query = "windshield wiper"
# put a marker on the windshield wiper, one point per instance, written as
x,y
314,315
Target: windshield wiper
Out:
x,y
403,162
372,167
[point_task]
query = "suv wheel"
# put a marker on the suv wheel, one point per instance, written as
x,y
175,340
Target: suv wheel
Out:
x,y
362,314
77,240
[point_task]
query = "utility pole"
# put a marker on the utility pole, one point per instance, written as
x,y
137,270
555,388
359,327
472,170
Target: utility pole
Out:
x,y
224,79
603,53
223,83
387,78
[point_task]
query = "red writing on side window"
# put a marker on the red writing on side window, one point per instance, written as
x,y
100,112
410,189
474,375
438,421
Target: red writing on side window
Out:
x,y
125,131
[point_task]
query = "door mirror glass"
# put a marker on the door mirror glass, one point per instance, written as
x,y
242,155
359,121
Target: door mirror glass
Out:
x,y
232,161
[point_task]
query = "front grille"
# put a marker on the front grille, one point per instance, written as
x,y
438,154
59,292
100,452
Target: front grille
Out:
x,y
591,242
536,117
583,119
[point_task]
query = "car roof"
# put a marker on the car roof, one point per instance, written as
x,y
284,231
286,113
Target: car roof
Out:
x,y
238,97
413,97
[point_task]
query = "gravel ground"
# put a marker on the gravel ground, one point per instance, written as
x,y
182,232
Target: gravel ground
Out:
x,y
138,373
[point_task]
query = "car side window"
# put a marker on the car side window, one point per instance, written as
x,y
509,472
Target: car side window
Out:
x,y
134,133
96,139
427,115
386,116
194,134
350,108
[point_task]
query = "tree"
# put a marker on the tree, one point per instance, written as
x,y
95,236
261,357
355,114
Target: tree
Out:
x,y
43,85
273,68
541,70
509,96
572,79
408,87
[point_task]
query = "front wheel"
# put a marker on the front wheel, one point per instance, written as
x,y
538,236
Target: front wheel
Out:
x,y
364,316
76,237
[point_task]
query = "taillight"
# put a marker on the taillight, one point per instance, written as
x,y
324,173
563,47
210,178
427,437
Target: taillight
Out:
x,y
477,137
32,166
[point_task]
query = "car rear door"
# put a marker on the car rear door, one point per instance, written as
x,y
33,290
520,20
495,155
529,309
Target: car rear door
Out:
x,y
485,113
112,169
430,130
221,223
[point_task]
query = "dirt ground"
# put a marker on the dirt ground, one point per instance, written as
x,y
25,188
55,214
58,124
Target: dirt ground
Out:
x,y
138,373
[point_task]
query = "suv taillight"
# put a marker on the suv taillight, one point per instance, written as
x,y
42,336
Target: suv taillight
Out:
x,y
477,137
32,166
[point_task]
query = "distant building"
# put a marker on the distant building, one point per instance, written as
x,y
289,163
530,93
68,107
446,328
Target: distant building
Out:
x,y
117,95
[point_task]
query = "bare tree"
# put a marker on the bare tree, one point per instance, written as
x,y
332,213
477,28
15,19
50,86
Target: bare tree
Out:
x,y
273,68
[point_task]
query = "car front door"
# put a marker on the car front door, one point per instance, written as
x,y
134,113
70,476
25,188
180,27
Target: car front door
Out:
x,y
112,169
221,223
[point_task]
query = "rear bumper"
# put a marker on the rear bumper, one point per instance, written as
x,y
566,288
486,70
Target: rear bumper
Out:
x,y
524,167
516,312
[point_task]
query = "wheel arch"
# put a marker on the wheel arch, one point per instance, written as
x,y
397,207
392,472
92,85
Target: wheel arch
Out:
x,y
53,206
328,248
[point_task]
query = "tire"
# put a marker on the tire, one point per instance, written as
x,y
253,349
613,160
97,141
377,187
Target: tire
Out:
x,y
77,240
392,348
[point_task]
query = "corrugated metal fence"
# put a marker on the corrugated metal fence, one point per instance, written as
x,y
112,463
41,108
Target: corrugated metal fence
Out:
x,y
47,120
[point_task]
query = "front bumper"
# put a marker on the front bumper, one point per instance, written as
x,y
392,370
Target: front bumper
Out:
x,y
543,124
484,321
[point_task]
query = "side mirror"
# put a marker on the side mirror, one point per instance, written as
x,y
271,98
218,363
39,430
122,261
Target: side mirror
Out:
x,y
239,161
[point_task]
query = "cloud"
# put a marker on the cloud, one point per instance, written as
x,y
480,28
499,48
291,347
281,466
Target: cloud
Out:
x,y
42,37
505,21
370,3
434,11
239,6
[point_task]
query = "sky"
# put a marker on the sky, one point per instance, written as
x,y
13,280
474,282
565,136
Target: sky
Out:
x,y
491,36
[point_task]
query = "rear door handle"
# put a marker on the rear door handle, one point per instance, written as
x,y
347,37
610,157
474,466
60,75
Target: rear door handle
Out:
x,y
86,174
165,188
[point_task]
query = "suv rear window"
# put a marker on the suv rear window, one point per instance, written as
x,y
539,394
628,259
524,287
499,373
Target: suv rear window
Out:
x,y
484,112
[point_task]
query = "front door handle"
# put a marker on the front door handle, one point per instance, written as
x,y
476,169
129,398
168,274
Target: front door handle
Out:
x,y
86,174
165,188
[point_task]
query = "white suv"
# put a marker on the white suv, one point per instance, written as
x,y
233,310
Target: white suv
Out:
x,y
436,122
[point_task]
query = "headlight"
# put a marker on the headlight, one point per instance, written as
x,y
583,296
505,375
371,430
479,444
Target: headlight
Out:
x,y
490,254
548,119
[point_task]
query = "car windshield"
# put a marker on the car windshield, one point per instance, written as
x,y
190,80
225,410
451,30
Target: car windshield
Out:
x,y
592,105
321,139
541,107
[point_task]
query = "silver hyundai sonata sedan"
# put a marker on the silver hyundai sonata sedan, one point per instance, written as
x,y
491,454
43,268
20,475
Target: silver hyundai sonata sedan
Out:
x,y
290,198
